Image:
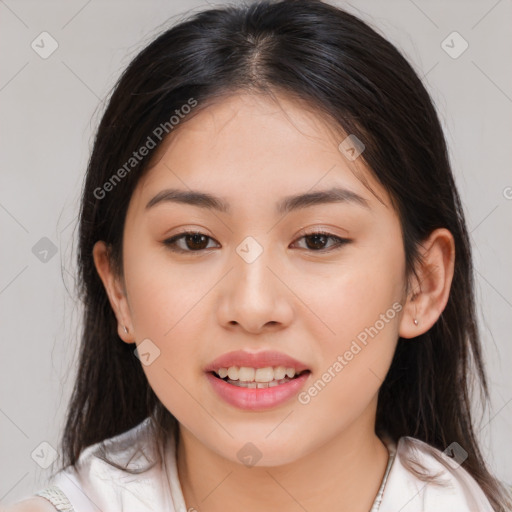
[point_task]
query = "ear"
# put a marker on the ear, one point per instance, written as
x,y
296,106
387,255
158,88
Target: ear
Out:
x,y
429,292
115,291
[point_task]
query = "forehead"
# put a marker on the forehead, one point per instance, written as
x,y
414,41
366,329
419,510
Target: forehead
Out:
x,y
249,143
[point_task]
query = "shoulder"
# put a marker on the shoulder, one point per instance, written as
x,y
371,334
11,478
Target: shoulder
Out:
x,y
424,479
122,473
32,505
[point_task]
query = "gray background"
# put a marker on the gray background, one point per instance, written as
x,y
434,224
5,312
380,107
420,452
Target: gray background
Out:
x,y
50,107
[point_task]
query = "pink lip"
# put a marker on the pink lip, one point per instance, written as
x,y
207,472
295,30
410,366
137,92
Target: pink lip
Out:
x,y
254,399
255,360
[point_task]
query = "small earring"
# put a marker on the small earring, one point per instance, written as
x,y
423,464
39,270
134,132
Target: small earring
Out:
x,y
125,329
416,322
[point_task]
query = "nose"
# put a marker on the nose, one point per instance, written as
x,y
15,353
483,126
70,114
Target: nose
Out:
x,y
254,296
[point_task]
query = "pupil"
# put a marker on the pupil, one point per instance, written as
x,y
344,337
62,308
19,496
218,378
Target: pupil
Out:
x,y
316,237
196,239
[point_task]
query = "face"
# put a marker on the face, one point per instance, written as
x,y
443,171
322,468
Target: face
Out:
x,y
255,278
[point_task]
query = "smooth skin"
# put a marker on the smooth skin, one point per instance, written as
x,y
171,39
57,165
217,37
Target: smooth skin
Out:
x,y
252,151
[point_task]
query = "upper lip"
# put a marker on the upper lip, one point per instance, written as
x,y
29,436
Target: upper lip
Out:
x,y
255,360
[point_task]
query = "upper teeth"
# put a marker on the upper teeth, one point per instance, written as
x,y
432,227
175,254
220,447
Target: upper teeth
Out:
x,y
246,374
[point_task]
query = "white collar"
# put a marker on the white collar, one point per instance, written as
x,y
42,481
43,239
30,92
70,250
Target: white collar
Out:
x,y
97,484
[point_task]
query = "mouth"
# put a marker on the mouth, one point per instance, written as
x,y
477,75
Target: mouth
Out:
x,y
256,381
269,388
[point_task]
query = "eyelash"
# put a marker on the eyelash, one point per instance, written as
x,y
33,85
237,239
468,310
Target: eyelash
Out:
x,y
171,242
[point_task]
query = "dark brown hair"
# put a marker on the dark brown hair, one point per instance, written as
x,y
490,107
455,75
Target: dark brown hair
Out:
x,y
329,58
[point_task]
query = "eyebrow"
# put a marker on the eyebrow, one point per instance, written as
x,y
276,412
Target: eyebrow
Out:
x,y
287,204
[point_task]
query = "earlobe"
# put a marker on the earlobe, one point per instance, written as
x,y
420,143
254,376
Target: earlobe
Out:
x,y
410,325
114,289
430,292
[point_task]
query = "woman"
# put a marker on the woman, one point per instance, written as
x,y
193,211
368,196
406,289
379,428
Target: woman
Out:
x,y
270,219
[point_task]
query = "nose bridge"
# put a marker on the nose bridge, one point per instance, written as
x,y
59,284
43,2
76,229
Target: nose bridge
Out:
x,y
254,296
251,261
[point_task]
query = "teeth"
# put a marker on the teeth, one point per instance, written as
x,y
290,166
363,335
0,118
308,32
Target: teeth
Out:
x,y
233,372
263,374
247,374
290,372
279,373
256,375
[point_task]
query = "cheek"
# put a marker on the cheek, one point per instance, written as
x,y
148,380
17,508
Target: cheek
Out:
x,y
161,307
161,294
363,308
372,282
169,305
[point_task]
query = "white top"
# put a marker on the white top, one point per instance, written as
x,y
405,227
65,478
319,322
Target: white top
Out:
x,y
97,485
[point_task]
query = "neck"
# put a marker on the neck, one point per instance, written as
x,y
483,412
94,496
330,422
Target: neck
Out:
x,y
344,474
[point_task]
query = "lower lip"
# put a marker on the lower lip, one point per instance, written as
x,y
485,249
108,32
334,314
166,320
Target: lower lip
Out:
x,y
254,399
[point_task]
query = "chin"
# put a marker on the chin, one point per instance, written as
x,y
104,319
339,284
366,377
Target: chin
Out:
x,y
263,452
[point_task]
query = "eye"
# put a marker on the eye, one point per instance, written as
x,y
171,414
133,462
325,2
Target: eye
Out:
x,y
194,241
318,240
